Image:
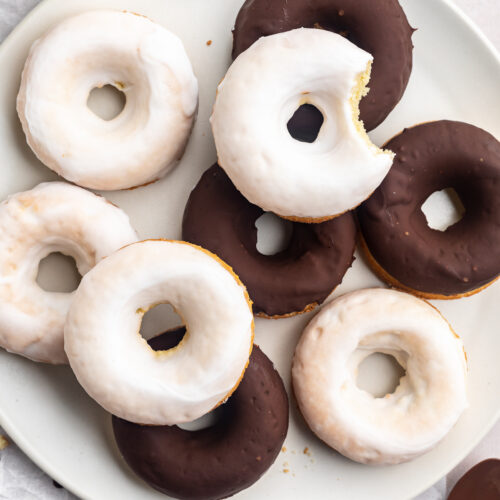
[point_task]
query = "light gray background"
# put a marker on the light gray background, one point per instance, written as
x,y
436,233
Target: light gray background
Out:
x,y
20,479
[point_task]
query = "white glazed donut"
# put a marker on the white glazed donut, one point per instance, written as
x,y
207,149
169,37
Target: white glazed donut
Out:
x,y
116,366
52,217
425,405
137,56
257,97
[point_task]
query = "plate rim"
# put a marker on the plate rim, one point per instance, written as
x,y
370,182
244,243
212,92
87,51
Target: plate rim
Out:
x,y
37,457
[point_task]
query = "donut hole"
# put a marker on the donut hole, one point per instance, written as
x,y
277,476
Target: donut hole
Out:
x,y
159,319
204,422
305,123
106,102
273,233
58,273
379,374
443,209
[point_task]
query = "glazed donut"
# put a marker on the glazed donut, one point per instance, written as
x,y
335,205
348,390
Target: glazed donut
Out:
x,y
400,245
380,27
261,158
113,362
428,400
219,218
218,461
140,58
52,217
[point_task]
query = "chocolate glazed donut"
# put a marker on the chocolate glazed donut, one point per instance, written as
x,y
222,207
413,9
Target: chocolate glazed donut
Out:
x,y
482,482
218,218
378,26
400,245
218,461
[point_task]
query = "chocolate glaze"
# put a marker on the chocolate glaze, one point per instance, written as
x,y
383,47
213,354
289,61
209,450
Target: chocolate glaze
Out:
x,y
305,123
218,461
218,218
431,157
378,26
482,482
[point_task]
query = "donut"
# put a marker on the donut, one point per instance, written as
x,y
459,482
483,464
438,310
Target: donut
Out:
x,y
219,218
218,461
52,217
115,365
400,246
305,182
428,400
380,27
138,57
481,482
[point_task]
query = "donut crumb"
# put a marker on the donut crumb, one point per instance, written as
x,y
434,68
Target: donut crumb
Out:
x,y
317,26
4,442
306,451
259,458
209,42
341,12
286,471
283,449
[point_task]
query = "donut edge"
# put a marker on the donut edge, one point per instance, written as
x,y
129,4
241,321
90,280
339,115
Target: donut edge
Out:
x,y
308,308
394,283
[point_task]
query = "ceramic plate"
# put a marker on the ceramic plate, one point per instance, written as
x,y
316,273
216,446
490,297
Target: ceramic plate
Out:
x,y
456,74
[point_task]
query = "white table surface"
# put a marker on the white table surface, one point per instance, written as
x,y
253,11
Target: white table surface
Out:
x,y
20,479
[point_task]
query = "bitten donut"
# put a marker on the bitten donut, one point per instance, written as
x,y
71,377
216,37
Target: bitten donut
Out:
x,y
115,365
428,400
219,218
52,217
218,461
380,27
306,182
135,55
401,247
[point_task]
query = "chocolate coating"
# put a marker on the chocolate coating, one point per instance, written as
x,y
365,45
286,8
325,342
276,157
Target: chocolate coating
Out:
x,y
431,157
218,218
482,482
305,123
218,461
378,26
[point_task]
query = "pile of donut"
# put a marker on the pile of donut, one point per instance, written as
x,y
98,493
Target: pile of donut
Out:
x,y
291,59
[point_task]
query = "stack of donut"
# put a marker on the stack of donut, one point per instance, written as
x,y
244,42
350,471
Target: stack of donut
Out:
x,y
291,139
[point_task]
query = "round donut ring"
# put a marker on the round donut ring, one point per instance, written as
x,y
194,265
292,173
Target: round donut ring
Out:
x,y
218,461
219,218
52,217
130,52
380,27
305,182
428,400
400,245
113,362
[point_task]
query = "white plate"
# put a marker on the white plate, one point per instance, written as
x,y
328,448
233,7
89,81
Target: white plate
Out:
x,y
456,75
